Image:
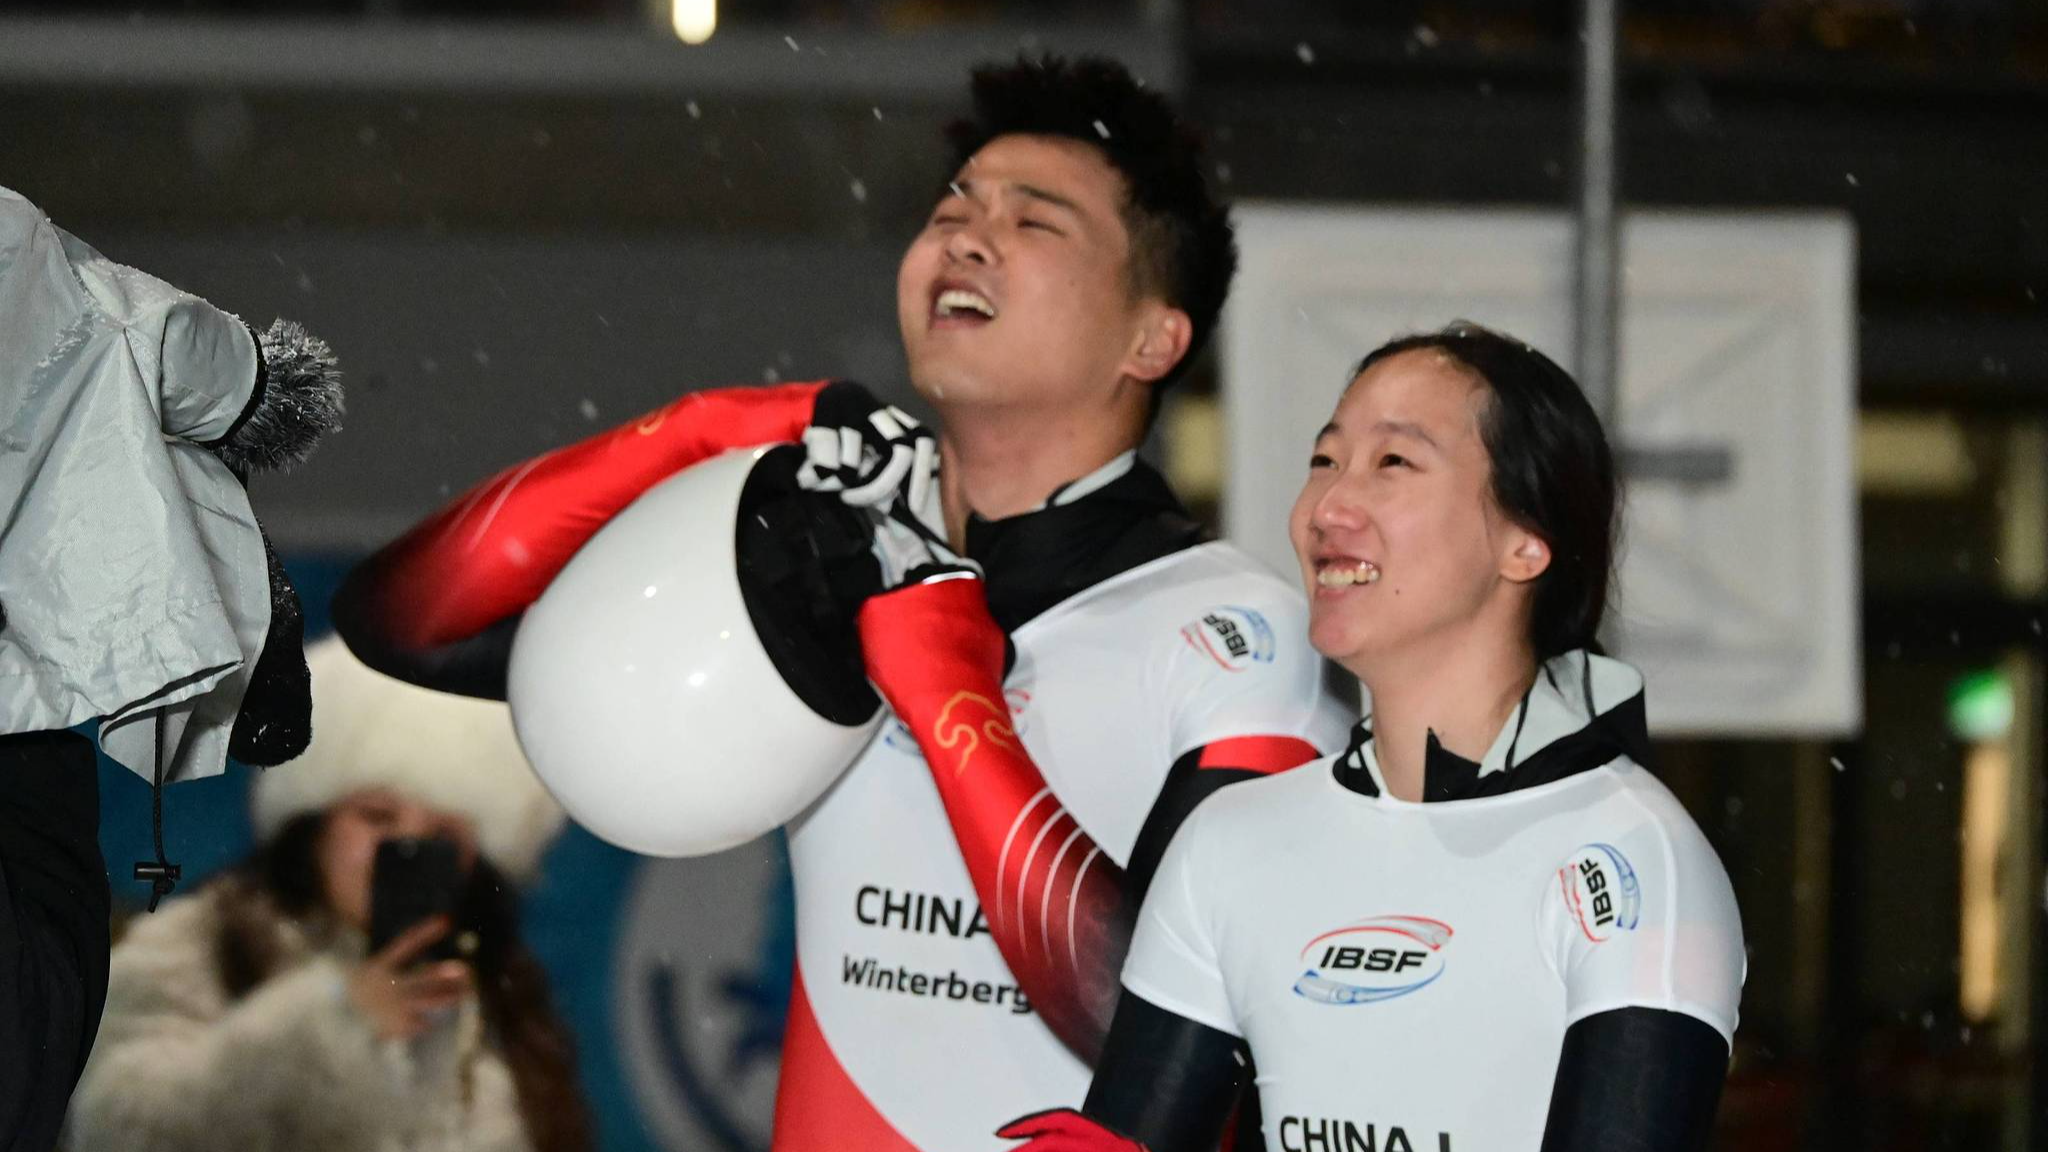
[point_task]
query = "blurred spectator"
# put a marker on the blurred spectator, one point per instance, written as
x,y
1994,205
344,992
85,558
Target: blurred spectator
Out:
x,y
251,1015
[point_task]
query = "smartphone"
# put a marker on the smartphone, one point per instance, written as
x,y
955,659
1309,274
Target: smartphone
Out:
x,y
415,878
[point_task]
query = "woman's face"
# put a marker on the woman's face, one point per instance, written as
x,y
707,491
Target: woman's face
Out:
x,y
357,823
1397,531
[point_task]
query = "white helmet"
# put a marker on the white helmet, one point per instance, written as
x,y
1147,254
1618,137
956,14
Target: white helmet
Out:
x,y
692,678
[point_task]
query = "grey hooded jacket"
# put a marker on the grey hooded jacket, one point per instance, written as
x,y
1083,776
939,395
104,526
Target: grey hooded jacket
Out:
x,y
132,570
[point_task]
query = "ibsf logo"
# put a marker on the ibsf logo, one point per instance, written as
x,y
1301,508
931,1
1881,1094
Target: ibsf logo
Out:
x,y
1375,959
1601,890
1231,636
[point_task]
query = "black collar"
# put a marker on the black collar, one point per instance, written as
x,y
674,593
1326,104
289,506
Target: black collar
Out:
x,y
1038,559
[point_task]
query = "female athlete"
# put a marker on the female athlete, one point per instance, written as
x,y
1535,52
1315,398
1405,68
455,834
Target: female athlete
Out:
x,y
1485,926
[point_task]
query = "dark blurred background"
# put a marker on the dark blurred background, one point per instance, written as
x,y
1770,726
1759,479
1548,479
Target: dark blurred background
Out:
x,y
522,220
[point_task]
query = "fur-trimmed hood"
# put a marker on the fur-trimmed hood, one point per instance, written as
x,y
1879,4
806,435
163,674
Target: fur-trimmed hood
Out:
x,y
449,752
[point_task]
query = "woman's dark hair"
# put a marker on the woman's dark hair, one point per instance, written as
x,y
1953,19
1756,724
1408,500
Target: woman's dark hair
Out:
x,y
1183,248
1553,473
519,1014
519,1011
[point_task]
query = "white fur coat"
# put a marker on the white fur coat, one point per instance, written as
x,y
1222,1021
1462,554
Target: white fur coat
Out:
x,y
289,1067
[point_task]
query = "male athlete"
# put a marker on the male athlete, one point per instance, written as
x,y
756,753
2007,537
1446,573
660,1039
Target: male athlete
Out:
x,y
965,890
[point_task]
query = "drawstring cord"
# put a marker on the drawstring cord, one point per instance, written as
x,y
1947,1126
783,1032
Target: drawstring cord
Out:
x,y
161,874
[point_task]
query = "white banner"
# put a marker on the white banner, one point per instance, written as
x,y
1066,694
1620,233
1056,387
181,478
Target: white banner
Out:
x,y
1738,591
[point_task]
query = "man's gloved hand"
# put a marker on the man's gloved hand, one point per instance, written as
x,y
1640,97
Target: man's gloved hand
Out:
x,y
910,551
1065,1130
873,455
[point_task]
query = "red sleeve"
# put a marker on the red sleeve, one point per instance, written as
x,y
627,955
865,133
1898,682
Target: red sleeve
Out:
x,y
490,553
1058,908
1053,901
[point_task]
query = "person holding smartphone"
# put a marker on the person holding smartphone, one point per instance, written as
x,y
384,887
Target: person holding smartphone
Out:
x,y
1484,926
358,983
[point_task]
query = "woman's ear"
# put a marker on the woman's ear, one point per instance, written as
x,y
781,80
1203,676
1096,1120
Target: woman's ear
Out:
x,y
1528,556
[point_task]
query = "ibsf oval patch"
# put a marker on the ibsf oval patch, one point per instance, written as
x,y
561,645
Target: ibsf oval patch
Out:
x,y
1601,891
1378,958
1234,637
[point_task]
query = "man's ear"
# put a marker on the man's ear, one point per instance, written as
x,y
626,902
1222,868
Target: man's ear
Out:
x,y
1527,558
1164,334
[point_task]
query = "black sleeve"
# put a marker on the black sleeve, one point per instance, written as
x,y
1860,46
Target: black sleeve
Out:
x,y
1164,1080
475,666
1636,1080
276,718
1187,785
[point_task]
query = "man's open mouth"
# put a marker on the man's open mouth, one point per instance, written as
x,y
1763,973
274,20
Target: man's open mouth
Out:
x,y
962,304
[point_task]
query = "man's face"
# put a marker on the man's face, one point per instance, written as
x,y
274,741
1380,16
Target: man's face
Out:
x,y
1017,292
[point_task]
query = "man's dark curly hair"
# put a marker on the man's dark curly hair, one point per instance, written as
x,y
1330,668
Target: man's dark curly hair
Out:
x,y
1182,246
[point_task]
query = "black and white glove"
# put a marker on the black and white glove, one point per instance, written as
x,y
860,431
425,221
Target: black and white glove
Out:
x,y
911,551
873,455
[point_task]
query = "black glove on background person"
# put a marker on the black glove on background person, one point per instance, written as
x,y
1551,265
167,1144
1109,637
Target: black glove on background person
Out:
x,y
276,720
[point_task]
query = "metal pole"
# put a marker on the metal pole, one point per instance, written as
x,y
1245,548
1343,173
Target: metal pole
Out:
x,y
1597,282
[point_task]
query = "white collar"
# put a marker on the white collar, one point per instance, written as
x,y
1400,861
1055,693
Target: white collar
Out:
x,y
1095,481
1555,706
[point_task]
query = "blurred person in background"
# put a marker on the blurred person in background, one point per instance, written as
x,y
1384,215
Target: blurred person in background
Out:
x,y
252,1015
137,588
1485,925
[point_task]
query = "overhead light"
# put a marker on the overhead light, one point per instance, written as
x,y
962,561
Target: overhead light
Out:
x,y
694,20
